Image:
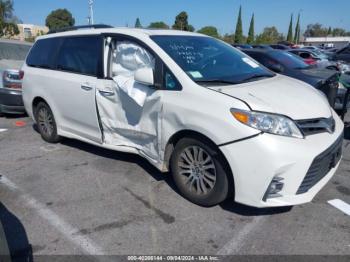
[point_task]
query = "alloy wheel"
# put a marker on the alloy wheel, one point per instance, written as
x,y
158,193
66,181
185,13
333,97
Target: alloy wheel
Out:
x,y
197,169
45,121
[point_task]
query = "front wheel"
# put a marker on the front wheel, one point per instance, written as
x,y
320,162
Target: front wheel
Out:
x,y
46,123
199,173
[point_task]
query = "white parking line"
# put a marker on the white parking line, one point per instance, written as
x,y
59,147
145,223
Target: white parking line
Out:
x,y
71,233
2,130
234,245
341,205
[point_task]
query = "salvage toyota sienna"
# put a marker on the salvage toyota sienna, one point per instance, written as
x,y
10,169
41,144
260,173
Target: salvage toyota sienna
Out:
x,y
224,125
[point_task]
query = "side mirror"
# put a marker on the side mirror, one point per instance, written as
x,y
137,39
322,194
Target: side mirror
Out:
x,y
277,68
144,76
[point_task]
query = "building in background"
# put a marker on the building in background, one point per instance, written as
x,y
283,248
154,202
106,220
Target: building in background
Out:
x,y
336,42
29,31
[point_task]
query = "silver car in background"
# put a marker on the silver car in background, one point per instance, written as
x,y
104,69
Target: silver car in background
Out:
x,y
12,55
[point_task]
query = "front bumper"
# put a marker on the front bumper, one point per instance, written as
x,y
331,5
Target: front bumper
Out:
x,y
11,101
257,161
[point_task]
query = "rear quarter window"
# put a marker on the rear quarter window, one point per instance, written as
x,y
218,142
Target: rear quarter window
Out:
x,y
43,53
80,55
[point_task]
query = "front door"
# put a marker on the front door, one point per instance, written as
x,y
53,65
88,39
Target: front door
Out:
x,y
130,113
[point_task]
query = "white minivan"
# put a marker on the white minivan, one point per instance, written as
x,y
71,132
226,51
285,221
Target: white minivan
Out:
x,y
223,124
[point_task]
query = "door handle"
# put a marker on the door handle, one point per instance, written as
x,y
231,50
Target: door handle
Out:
x,y
86,87
106,93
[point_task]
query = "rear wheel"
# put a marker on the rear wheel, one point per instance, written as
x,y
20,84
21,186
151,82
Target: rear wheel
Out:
x,y
199,172
46,123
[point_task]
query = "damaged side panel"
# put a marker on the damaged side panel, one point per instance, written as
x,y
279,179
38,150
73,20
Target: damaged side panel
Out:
x,y
130,112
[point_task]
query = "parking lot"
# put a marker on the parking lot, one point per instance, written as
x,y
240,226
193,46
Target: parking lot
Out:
x,y
73,198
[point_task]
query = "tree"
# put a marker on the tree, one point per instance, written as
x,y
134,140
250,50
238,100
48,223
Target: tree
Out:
x,y
160,25
239,28
10,29
181,22
270,35
8,21
6,10
316,30
138,23
210,31
59,18
297,31
229,38
329,31
190,28
251,34
339,32
290,30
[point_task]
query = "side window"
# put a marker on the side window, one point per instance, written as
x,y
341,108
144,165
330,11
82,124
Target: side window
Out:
x,y
305,55
127,57
43,53
80,55
170,81
263,60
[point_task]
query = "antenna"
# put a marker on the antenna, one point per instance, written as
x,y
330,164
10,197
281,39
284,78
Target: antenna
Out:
x,y
91,15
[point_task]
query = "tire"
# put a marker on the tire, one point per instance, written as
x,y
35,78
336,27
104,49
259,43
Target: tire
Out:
x,y
46,123
203,181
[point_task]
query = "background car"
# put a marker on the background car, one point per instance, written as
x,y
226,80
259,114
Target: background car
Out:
x,y
342,54
280,47
12,55
312,48
308,56
320,59
242,46
262,47
290,65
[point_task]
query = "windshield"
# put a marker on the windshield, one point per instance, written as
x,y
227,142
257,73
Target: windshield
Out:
x,y
207,60
289,60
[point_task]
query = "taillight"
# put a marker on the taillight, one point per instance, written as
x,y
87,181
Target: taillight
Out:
x,y
21,74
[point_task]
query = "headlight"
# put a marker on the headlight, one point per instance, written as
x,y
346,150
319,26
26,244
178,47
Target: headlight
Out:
x,y
268,123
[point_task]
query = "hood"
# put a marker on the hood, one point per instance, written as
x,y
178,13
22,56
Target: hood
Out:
x,y
282,95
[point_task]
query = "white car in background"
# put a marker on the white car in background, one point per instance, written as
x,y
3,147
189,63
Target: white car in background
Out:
x,y
222,123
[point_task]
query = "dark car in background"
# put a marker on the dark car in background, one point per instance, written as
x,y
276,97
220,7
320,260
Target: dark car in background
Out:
x,y
12,55
242,46
262,47
280,47
290,65
342,54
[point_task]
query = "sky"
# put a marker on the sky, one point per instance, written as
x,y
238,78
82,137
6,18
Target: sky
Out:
x,y
219,13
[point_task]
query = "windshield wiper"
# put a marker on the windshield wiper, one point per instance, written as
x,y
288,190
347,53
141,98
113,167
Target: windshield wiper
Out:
x,y
215,81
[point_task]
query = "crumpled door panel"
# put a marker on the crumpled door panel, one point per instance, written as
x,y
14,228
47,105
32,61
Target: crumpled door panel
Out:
x,y
130,113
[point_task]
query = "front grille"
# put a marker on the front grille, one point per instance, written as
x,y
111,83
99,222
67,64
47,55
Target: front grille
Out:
x,y
321,166
316,126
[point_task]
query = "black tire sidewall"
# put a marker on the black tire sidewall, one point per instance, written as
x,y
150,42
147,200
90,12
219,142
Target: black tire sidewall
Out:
x,y
53,138
221,189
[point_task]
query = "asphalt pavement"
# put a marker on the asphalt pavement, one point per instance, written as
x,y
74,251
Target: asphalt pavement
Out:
x,y
73,198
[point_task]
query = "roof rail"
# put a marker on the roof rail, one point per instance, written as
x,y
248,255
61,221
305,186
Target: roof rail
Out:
x,y
72,28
